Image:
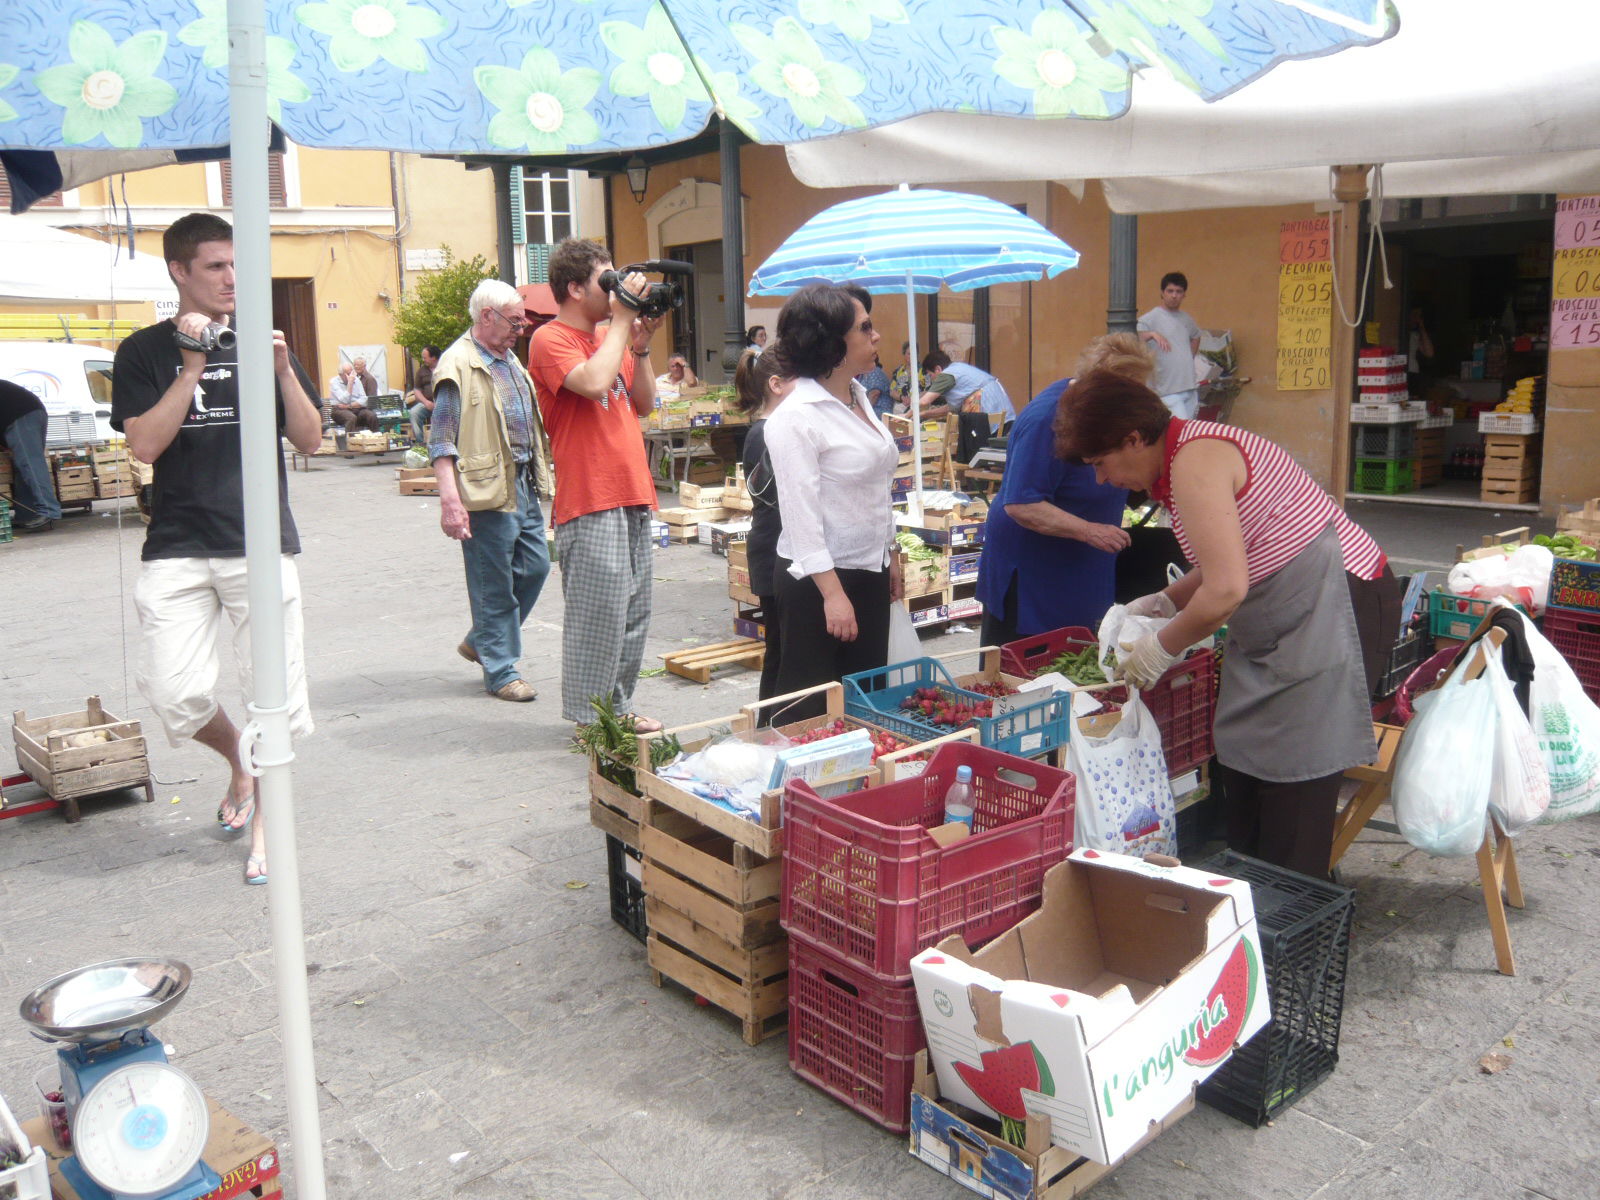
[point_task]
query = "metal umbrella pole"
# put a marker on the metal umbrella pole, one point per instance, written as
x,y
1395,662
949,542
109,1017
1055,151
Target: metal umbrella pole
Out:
x,y
266,740
915,383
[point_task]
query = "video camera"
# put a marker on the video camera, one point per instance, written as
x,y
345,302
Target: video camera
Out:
x,y
657,299
213,337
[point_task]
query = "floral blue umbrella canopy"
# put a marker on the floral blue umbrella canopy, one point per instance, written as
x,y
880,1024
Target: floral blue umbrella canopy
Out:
x,y
563,76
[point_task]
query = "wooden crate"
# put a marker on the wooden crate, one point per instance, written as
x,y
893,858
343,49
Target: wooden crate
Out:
x,y
1499,491
248,1162
751,985
613,809
67,772
110,489
1585,522
417,481
696,495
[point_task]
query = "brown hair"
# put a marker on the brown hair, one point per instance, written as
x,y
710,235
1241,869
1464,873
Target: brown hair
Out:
x,y
1100,410
1121,353
573,261
182,240
755,371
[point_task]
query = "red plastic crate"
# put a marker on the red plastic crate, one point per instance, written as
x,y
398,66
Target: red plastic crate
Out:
x,y
1183,702
852,1035
863,880
1577,636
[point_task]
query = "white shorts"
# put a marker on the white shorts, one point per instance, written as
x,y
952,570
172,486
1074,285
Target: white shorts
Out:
x,y
1183,404
180,603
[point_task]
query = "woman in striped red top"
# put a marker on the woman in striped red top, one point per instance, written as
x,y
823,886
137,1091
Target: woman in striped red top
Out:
x,y
1310,604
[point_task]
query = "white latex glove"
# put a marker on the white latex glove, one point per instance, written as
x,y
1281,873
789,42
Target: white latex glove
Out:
x,y
1156,604
1146,663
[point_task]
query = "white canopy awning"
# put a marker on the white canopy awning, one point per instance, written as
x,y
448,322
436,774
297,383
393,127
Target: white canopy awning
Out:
x,y
1470,97
40,264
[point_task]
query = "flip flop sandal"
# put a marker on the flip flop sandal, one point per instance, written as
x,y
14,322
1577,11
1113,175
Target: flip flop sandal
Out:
x,y
247,810
255,869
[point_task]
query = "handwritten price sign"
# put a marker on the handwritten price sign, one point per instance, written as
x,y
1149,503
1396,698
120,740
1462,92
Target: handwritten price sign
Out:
x,y
1575,324
1304,241
1576,273
1578,223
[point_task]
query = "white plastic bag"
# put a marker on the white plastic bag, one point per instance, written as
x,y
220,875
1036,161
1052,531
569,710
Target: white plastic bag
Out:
x,y
1519,791
1443,768
1119,633
1566,724
1124,800
904,645
1523,575
414,458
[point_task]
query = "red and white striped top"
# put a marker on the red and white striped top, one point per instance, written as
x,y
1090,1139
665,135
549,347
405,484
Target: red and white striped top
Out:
x,y
1281,508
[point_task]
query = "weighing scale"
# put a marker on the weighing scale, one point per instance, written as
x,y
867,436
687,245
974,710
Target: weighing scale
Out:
x,y
139,1125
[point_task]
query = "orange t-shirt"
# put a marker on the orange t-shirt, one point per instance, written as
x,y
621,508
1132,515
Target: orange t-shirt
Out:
x,y
599,451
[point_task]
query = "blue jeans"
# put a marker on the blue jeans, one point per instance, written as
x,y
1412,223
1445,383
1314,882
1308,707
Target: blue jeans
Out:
x,y
420,416
33,491
507,559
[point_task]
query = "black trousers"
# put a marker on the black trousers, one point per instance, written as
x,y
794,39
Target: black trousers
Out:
x,y
808,654
1000,628
1291,824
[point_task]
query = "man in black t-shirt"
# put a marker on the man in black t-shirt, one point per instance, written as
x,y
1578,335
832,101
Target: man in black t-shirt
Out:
x,y
179,409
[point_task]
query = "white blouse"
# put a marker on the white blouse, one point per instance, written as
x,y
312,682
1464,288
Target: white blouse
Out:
x,y
833,472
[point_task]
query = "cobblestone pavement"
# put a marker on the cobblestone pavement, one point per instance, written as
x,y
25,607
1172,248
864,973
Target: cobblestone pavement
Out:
x,y
482,1028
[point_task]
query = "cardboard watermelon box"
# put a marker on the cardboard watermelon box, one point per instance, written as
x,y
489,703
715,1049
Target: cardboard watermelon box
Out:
x,y
1103,1010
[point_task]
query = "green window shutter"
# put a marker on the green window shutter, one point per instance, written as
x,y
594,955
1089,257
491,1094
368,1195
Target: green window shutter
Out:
x,y
539,262
519,220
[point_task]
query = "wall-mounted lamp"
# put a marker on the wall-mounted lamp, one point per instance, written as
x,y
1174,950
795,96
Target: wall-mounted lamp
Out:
x,y
638,177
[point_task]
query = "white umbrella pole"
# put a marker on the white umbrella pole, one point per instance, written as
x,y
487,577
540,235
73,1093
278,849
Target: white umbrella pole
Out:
x,y
916,392
260,450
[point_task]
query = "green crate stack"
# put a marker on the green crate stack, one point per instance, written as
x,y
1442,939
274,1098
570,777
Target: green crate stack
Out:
x,y
1383,476
5,520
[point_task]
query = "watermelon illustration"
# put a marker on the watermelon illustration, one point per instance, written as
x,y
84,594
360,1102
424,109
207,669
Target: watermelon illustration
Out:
x,y
999,1082
1236,989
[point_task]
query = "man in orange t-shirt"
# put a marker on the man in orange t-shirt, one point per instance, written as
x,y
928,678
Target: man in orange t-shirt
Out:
x,y
593,386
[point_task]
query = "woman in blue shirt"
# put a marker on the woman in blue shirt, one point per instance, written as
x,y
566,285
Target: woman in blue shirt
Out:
x,y
1051,542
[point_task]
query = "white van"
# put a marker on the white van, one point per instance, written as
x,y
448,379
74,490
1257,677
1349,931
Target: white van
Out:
x,y
74,381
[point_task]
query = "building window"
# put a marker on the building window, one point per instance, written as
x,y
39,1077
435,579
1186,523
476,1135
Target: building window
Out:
x,y
276,192
53,200
547,207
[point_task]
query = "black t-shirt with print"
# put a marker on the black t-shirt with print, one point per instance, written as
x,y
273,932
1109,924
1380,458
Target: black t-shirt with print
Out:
x,y
197,502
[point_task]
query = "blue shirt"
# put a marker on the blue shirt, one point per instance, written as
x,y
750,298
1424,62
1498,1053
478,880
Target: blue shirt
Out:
x,y
876,380
1067,582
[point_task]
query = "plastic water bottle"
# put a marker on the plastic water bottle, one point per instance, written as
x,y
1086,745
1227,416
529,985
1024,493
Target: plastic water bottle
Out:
x,y
958,798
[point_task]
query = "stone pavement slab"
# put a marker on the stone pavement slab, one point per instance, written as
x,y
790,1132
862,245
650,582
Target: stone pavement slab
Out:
x,y
484,1031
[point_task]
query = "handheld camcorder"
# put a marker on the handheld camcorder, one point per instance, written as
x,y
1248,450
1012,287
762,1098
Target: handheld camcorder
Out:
x,y
213,337
657,299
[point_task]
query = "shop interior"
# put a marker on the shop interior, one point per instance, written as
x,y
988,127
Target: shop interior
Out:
x,y
1470,310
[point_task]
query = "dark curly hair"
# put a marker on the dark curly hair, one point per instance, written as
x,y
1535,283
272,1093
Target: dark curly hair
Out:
x,y
756,368
1100,410
812,326
573,261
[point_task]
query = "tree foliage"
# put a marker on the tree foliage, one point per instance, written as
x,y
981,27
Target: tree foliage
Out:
x,y
434,313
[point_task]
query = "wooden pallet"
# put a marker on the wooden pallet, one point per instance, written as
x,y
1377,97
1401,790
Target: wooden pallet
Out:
x,y
698,664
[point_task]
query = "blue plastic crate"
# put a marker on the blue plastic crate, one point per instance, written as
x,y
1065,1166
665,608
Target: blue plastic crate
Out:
x,y
1034,728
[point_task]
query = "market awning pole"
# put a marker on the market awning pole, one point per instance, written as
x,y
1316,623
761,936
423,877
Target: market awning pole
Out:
x,y
916,394
261,458
1349,189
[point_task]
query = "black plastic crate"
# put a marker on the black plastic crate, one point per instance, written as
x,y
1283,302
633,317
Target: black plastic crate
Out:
x,y
1382,441
623,865
1406,655
1305,946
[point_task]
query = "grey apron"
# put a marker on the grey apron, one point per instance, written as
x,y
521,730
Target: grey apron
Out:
x,y
1293,700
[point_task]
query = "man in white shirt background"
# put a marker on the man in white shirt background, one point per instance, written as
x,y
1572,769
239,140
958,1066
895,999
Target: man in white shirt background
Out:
x,y
1175,338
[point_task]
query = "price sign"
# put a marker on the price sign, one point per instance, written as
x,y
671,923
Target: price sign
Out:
x,y
1576,273
1578,222
1307,284
1575,324
1304,370
1304,241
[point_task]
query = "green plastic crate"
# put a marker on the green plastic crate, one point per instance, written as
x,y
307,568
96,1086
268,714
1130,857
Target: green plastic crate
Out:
x,y
1383,476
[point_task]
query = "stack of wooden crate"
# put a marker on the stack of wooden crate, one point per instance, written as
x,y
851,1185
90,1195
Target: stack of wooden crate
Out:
x,y
417,481
74,476
697,503
1427,454
1510,468
114,471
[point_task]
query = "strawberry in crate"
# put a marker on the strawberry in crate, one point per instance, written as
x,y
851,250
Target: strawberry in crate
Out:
x,y
951,710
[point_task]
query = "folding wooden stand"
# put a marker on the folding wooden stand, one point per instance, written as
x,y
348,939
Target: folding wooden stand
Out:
x,y
1497,857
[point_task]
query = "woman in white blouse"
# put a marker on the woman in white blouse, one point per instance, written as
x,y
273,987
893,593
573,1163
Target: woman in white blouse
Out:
x,y
833,460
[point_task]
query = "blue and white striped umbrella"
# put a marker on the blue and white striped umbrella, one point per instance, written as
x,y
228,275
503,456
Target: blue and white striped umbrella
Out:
x,y
918,240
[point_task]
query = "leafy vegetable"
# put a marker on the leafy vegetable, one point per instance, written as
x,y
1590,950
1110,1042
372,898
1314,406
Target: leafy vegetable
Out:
x,y
612,745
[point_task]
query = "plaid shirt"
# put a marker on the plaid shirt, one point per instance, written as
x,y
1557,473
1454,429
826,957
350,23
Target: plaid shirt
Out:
x,y
511,388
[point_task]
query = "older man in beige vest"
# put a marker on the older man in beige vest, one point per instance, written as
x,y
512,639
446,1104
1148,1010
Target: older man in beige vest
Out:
x,y
491,457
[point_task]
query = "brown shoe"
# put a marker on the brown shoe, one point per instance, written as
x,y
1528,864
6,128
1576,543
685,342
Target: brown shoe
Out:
x,y
467,652
517,690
